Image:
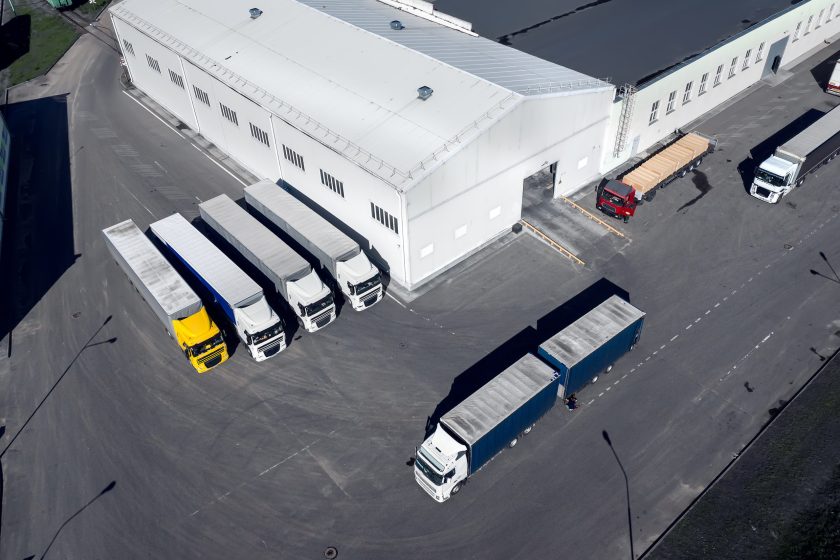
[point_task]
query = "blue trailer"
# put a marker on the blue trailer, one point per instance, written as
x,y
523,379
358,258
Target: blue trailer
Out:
x,y
593,343
495,416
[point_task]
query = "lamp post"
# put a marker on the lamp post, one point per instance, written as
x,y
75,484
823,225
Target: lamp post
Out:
x,y
606,437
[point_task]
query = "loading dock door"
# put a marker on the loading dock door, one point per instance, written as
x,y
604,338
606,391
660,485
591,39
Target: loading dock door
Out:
x,y
775,54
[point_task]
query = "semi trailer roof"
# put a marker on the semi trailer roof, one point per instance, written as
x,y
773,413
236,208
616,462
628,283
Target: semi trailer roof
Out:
x,y
815,135
486,408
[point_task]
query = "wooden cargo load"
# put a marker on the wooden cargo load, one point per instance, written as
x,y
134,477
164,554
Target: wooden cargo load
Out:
x,y
661,166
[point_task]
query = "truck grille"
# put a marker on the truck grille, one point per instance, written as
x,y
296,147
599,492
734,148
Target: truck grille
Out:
x,y
323,320
371,298
762,192
273,348
211,360
424,485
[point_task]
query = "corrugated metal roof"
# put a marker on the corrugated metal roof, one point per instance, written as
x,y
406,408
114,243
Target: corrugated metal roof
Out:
x,y
302,219
582,337
351,83
164,283
278,260
484,409
227,279
815,135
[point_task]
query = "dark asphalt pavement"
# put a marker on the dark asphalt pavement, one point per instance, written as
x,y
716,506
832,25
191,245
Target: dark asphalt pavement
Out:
x,y
284,458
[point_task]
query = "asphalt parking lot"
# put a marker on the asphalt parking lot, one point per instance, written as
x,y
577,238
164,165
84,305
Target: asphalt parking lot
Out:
x,y
133,455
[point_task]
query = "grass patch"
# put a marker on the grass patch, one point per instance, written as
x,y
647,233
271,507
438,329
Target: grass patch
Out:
x,y
92,10
49,39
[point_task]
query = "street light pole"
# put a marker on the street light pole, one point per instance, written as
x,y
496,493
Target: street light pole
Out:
x,y
606,437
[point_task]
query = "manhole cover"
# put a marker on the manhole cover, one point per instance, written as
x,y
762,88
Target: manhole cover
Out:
x,y
77,314
330,553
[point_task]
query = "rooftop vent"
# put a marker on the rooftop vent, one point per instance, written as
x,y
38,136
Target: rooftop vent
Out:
x,y
255,13
424,92
396,25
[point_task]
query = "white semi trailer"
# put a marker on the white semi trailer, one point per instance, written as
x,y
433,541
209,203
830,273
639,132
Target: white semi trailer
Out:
x,y
291,275
358,279
241,299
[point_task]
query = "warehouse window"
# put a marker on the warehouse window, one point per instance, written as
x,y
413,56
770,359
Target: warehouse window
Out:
x,y
703,79
229,114
808,27
718,74
687,92
176,79
201,96
669,108
654,112
746,60
153,64
332,183
819,18
759,53
129,48
294,157
732,66
384,218
259,134
796,31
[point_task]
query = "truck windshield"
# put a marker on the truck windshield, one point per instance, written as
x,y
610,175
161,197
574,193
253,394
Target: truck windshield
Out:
x,y
262,336
613,198
365,286
318,306
768,177
206,346
423,467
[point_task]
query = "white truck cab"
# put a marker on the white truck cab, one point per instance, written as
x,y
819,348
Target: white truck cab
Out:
x,y
360,281
260,328
774,178
311,301
440,465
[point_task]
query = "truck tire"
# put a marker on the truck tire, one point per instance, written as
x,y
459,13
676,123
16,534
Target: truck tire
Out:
x,y
513,443
528,429
609,368
683,172
455,489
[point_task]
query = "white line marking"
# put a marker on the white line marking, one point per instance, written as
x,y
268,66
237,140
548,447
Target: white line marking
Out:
x,y
169,126
725,298
673,338
608,388
648,358
717,305
590,402
766,266
632,370
735,291
617,381
222,167
395,299
688,327
600,394
654,352
707,312
662,347
751,279
697,320
623,376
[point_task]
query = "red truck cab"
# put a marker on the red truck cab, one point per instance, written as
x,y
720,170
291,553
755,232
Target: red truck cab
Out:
x,y
617,199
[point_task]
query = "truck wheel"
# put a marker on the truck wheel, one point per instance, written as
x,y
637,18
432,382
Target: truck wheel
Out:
x,y
632,346
698,162
609,368
528,429
455,489
682,173
513,442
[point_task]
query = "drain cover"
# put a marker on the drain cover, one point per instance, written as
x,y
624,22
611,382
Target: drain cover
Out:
x,y
330,553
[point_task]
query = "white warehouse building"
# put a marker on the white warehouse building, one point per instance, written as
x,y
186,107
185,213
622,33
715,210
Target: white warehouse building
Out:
x,y
401,123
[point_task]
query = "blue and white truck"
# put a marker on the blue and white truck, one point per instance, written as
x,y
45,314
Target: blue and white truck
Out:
x,y
492,418
240,298
292,276
357,278
593,343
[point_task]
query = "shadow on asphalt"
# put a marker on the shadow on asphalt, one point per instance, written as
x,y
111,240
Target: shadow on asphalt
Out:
x,y
38,244
526,340
104,491
14,39
822,71
765,149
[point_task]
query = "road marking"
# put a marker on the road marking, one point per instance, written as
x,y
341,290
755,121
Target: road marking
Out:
x,y
648,358
169,126
734,292
707,312
662,347
632,370
395,299
222,167
697,320
654,352
617,381
688,327
590,402
725,298
673,338
717,305
623,376
601,394
608,388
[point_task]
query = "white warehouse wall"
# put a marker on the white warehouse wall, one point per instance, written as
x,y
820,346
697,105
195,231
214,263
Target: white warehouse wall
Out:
x,y
476,194
779,36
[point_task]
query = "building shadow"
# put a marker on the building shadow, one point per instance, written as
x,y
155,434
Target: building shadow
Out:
x,y
765,149
526,340
822,71
38,245
14,39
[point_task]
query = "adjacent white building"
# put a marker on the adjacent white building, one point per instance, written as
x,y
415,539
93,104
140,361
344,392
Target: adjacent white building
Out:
x,y
401,123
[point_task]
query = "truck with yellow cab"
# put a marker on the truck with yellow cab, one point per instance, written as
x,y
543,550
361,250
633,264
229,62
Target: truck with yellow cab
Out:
x,y
168,295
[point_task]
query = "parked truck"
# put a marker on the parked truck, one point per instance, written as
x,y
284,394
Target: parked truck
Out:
x,y
593,343
169,296
358,279
619,197
791,163
239,297
833,86
290,273
492,418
